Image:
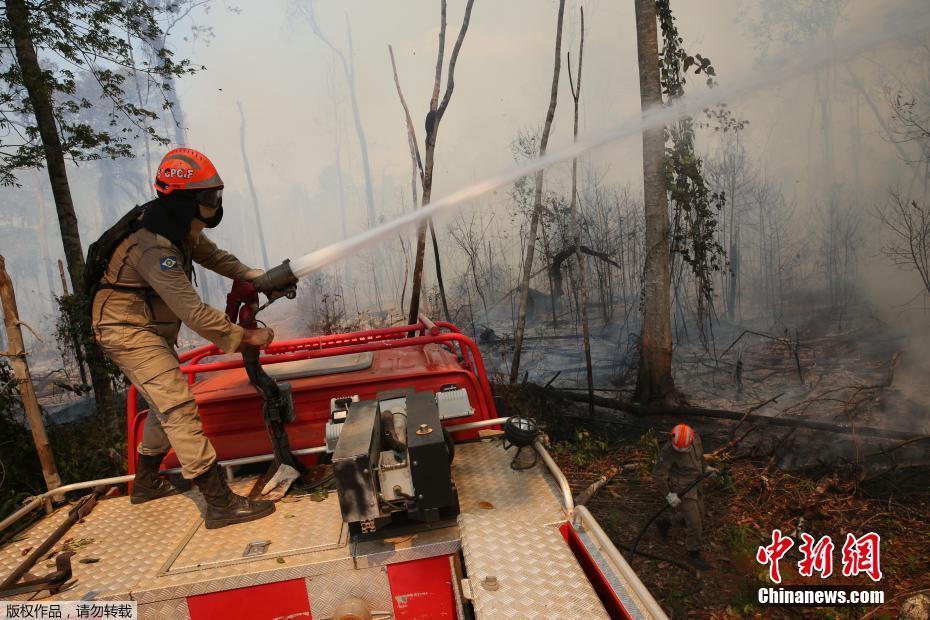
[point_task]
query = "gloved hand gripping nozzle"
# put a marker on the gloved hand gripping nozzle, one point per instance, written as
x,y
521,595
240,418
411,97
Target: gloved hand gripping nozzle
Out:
x,y
277,282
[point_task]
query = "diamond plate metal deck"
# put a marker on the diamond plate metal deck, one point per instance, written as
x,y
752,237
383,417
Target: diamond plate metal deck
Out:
x,y
242,575
175,609
142,550
394,549
158,553
537,575
326,592
126,541
488,487
297,527
14,552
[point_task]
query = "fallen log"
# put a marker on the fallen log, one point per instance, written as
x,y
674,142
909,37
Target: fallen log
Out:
x,y
739,416
730,444
598,484
907,442
595,486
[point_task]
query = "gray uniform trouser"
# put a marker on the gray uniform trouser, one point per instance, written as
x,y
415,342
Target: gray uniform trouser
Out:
x,y
690,513
151,364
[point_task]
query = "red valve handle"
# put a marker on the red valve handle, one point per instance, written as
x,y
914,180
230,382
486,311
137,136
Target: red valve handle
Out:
x,y
242,304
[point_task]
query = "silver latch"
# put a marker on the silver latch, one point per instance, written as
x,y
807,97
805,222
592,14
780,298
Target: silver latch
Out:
x,y
466,589
256,547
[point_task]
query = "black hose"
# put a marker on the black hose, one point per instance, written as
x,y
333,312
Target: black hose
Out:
x,y
275,405
77,512
680,494
661,558
513,463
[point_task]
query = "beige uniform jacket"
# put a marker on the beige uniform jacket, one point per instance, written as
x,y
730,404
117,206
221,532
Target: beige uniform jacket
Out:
x,y
160,271
675,470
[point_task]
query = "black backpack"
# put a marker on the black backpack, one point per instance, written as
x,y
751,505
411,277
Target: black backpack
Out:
x,y
101,250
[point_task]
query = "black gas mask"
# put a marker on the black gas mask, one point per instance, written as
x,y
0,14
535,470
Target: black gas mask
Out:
x,y
212,198
170,215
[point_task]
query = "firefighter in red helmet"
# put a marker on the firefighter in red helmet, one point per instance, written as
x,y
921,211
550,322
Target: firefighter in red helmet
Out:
x,y
680,462
141,299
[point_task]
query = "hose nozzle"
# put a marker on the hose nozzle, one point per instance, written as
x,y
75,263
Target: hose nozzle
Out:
x,y
277,282
276,279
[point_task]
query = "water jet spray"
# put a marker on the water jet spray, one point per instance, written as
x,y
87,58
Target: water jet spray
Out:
x,y
800,61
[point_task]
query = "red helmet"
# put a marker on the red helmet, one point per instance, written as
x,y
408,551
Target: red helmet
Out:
x,y
184,169
682,437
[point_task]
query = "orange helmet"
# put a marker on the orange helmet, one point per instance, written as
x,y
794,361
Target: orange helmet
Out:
x,y
682,437
185,169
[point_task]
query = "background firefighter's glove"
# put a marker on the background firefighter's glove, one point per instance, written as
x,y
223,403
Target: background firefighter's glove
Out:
x,y
673,500
713,471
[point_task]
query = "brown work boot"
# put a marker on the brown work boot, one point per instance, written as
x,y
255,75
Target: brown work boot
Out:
x,y
225,507
664,525
148,485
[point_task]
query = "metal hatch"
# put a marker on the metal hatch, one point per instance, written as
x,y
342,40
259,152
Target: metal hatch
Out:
x,y
296,527
298,369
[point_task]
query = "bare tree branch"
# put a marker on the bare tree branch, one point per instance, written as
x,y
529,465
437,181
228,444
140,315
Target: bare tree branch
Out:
x,y
411,131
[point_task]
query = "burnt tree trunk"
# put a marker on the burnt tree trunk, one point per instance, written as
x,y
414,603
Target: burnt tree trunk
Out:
x,y
17,356
436,112
537,205
416,165
40,98
655,361
576,223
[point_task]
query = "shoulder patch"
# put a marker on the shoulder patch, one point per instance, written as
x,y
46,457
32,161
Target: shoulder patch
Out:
x,y
168,263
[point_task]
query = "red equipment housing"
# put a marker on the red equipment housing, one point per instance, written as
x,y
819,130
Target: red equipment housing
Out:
x,y
436,355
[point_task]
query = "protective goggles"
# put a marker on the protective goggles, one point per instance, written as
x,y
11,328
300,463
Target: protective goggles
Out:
x,y
212,198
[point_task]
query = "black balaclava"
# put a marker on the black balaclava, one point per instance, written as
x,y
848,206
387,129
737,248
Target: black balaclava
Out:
x,y
170,215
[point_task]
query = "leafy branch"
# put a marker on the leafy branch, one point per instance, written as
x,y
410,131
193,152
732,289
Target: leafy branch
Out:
x,y
695,206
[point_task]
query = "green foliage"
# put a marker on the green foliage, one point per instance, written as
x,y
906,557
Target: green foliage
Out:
x,y
740,539
743,542
649,444
674,61
583,449
9,393
74,335
83,450
695,206
90,52
725,482
677,602
88,449
20,472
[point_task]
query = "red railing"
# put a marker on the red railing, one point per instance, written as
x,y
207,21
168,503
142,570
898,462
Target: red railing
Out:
x,y
428,332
